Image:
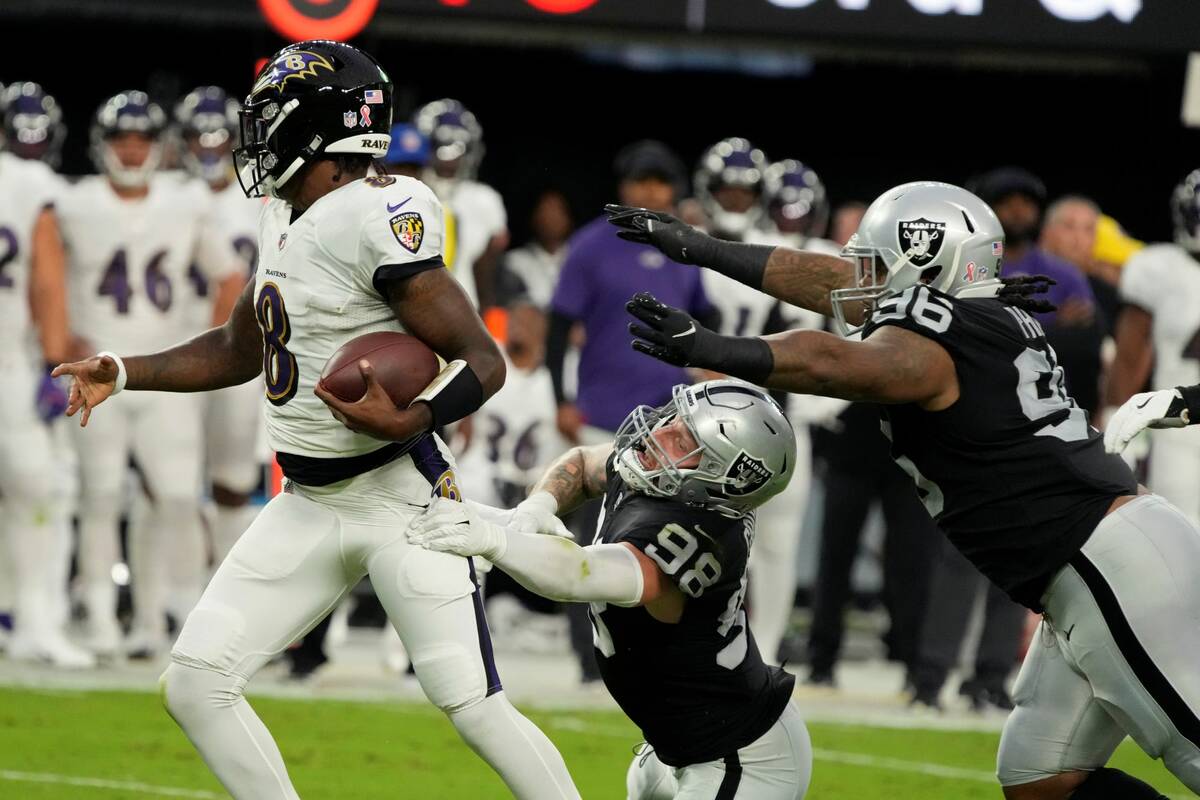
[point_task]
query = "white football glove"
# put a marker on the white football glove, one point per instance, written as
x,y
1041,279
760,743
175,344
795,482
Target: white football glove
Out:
x,y
449,526
536,514
1162,409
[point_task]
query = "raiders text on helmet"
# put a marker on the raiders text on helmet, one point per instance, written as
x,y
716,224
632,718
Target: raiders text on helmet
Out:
x,y
925,232
747,448
311,100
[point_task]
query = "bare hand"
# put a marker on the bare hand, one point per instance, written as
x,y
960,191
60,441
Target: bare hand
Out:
x,y
375,414
570,421
92,381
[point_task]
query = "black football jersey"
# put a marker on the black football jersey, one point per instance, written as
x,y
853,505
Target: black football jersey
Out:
x,y
1012,472
697,688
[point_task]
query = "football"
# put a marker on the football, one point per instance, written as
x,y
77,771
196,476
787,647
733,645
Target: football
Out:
x,y
403,365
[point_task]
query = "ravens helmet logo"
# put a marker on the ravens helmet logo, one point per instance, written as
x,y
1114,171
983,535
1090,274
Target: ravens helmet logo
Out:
x,y
299,64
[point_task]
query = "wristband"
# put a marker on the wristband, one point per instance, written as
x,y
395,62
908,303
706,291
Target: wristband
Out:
x,y
455,393
746,357
122,375
745,263
1191,401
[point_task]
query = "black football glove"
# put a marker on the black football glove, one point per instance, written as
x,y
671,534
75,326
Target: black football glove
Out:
x,y
676,239
669,334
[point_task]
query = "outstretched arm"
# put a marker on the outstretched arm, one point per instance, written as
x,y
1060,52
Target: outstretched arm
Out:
x,y
800,277
219,357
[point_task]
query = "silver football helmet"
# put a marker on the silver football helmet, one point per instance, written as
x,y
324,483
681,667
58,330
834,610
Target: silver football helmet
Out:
x,y
924,232
746,445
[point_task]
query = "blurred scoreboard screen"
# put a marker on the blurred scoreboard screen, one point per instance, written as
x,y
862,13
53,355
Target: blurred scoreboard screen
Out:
x,y
1100,25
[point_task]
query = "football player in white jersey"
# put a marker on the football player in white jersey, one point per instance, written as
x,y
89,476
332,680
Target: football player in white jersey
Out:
x,y
31,280
341,254
1159,329
731,185
207,120
457,141
132,234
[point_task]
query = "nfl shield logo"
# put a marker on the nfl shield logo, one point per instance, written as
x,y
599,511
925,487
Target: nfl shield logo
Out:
x,y
349,119
921,239
409,230
282,240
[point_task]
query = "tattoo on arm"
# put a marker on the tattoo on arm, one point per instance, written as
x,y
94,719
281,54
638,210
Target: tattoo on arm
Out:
x,y
226,356
578,475
804,278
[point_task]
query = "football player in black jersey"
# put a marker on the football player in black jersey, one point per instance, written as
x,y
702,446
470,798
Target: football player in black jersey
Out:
x,y
666,579
1003,459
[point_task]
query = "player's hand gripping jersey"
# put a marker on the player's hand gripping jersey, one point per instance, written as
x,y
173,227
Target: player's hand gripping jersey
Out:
x,y
1012,472
698,688
319,284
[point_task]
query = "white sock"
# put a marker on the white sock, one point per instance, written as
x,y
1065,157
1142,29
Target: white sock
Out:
x,y
516,749
187,562
98,553
30,543
232,740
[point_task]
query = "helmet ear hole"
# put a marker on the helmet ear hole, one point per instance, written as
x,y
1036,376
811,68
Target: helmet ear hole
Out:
x,y
931,275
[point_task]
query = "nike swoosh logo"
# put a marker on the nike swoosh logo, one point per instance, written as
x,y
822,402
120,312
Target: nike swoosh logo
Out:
x,y
398,206
691,329
1145,402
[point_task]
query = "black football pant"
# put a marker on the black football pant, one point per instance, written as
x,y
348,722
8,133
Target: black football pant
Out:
x,y
952,595
908,548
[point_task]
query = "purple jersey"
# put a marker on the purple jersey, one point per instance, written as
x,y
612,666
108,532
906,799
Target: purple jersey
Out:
x,y
601,273
1071,284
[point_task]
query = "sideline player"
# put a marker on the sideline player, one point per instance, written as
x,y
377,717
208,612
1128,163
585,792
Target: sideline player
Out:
x,y
132,233
1004,461
1158,330
207,119
666,579
341,254
32,294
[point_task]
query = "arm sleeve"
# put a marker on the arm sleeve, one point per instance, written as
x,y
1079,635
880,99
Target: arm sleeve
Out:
x,y
558,568
556,351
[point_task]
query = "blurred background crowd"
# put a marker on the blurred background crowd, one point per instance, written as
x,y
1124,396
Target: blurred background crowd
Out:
x,y
137,233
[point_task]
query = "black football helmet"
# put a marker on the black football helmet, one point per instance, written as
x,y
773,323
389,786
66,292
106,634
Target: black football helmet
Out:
x,y
207,123
312,99
131,111
1185,212
33,125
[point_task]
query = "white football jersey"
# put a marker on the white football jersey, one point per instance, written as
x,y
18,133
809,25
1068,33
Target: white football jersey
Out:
x,y
235,220
514,436
26,188
479,216
1164,280
128,261
538,269
315,290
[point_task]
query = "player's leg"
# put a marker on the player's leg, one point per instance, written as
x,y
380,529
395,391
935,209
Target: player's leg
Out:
x,y
284,574
437,610
32,524
231,434
1125,614
777,766
648,778
1057,732
103,452
167,552
773,556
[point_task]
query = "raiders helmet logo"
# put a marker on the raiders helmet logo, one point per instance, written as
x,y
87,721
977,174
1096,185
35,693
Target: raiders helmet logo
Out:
x,y
746,474
298,64
921,238
409,230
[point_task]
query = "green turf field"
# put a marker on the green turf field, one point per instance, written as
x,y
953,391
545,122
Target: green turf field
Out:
x,y
106,745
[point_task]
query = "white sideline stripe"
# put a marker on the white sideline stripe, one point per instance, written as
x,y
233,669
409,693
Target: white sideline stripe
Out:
x,y
100,783
837,756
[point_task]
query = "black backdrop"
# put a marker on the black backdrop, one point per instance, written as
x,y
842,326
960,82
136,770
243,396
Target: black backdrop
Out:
x,y
554,117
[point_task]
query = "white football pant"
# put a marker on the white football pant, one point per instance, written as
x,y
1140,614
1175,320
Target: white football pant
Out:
x,y
1116,653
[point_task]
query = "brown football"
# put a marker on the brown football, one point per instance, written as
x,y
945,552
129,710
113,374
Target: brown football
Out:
x,y
403,365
